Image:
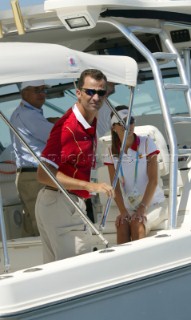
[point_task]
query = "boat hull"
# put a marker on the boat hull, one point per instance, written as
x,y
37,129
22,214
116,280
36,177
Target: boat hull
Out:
x,y
148,294
136,279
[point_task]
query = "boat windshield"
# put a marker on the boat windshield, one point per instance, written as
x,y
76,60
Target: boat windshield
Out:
x,y
146,102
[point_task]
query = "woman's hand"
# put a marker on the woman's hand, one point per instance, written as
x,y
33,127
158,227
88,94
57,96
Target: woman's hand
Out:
x,y
122,218
139,214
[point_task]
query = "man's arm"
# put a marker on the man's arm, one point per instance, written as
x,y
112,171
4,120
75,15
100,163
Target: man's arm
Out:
x,y
71,183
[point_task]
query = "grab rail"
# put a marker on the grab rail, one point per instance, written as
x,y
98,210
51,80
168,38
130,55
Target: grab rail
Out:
x,y
126,127
3,235
129,34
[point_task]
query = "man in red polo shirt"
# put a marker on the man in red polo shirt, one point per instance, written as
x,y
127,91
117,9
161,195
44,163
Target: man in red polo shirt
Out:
x,y
70,155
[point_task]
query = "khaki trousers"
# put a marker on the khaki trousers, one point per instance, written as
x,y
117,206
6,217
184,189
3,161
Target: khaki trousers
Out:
x,y
62,231
28,188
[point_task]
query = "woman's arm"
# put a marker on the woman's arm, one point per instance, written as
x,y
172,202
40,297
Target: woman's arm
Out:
x,y
152,172
118,197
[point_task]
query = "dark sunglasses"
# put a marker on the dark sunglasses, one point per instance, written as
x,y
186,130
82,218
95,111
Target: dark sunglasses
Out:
x,y
92,92
39,91
132,121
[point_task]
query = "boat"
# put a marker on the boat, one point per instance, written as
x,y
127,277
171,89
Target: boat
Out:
x,y
144,47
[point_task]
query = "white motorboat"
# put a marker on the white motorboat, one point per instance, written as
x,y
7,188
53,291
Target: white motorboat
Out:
x,y
148,278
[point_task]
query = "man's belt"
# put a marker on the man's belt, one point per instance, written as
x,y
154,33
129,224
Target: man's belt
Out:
x,y
51,188
27,169
55,189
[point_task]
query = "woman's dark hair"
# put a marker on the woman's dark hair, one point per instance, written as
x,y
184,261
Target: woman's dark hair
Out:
x,y
115,141
93,73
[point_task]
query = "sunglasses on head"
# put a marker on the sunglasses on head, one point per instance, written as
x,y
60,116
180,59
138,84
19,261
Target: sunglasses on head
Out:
x,y
92,92
132,121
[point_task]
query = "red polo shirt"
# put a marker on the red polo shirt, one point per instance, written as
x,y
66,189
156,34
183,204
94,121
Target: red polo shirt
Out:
x,y
71,147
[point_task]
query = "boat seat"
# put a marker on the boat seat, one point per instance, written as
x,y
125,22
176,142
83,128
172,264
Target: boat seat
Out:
x,y
7,177
163,157
158,138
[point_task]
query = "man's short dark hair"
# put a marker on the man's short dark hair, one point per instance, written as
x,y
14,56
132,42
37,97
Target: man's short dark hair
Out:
x,y
93,73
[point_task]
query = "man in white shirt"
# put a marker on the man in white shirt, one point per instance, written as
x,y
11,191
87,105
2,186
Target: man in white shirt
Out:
x,y
29,121
103,125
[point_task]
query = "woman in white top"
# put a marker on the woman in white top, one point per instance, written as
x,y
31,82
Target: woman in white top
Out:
x,y
139,198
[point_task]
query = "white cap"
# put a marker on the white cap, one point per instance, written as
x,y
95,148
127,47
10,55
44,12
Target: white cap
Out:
x,y
36,83
122,113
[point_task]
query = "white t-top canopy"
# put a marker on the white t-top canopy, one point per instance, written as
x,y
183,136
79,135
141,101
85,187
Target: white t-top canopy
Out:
x,y
32,61
140,4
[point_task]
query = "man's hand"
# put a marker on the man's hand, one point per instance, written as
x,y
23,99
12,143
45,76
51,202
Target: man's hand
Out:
x,y
100,187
